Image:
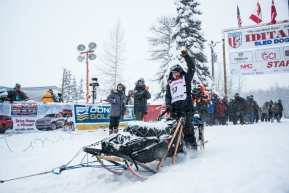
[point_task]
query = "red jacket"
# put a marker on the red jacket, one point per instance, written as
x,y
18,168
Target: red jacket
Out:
x,y
221,109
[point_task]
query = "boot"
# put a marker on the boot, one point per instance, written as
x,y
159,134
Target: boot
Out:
x,y
115,131
110,132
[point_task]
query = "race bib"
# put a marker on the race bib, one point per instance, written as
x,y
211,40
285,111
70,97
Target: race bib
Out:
x,y
178,89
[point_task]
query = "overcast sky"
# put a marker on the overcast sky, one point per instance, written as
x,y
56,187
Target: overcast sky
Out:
x,y
39,38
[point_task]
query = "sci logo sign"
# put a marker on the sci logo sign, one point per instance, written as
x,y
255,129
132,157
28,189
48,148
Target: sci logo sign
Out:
x,y
235,39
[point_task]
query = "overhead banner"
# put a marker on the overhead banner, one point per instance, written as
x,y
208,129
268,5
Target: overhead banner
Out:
x,y
258,50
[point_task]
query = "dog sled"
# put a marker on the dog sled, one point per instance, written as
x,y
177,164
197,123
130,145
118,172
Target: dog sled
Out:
x,y
140,145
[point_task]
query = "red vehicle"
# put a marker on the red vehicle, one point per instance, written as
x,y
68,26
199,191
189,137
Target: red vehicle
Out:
x,y
5,123
66,113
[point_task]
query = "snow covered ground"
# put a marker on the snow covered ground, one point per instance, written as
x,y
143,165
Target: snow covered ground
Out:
x,y
248,158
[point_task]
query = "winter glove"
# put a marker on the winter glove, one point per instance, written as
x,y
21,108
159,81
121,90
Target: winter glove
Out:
x,y
169,109
184,53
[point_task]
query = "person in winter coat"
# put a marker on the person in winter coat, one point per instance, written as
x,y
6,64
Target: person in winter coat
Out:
x,y
280,109
270,112
47,98
250,107
130,98
117,100
265,109
221,112
275,111
226,102
215,99
141,95
54,97
201,97
178,97
238,108
211,112
3,94
16,94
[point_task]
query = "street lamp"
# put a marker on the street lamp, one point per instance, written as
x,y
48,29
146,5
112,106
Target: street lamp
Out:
x,y
88,55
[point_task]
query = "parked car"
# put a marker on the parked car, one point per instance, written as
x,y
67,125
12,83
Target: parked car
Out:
x,y
66,113
50,121
6,122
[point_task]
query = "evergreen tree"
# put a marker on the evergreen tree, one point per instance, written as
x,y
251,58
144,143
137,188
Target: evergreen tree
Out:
x,y
74,93
67,93
185,34
80,91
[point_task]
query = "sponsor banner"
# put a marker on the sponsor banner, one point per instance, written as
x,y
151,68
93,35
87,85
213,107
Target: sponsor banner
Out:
x,y
241,57
258,50
24,117
89,117
259,68
258,37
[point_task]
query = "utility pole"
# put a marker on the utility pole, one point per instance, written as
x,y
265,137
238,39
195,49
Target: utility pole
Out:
x,y
213,56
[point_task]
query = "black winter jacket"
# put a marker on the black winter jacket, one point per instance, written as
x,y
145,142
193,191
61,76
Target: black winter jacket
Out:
x,y
141,95
187,104
15,95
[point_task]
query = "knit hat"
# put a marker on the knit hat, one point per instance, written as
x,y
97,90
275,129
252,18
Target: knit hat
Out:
x,y
141,80
119,84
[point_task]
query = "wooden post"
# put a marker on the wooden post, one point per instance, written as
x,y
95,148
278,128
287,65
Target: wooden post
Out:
x,y
225,71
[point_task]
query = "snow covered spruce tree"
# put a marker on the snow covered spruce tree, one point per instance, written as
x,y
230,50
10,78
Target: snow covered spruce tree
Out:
x,y
186,34
67,91
80,91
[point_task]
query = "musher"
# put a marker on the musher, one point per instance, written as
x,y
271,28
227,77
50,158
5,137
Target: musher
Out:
x,y
179,97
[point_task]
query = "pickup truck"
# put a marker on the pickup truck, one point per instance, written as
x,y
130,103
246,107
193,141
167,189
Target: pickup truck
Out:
x,y
6,122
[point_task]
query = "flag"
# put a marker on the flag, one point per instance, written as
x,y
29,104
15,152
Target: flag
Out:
x,y
273,13
257,14
239,17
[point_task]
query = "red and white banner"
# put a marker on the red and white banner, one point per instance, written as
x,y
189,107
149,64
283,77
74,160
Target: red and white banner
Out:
x,y
258,50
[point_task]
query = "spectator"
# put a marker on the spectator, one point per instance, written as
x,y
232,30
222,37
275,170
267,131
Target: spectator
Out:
x,y
211,112
215,99
60,99
226,102
117,100
238,108
16,94
47,98
130,98
3,94
270,112
256,110
280,109
221,112
54,97
265,110
141,95
250,110
275,111
201,97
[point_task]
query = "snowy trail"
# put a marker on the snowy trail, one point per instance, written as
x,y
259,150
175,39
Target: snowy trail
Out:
x,y
248,158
